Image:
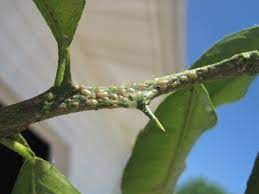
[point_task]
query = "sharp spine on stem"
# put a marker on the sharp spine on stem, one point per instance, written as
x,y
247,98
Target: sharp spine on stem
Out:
x,y
145,108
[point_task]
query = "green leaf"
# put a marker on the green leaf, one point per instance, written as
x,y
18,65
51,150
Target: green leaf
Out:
x,y
38,176
229,90
200,186
253,182
158,158
62,16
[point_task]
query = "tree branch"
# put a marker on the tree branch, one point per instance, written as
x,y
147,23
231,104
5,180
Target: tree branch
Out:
x,y
70,98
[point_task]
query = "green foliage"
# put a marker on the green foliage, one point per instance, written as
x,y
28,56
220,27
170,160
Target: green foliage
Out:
x,y
158,158
200,186
253,182
231,89
62,16
37,176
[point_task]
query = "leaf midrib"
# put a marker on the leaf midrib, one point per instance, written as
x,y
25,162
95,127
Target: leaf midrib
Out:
x,y
189,111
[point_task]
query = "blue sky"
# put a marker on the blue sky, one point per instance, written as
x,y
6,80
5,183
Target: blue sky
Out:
x,y
224,155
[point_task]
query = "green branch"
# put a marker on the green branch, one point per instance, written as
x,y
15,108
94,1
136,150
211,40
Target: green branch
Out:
x,y
74,98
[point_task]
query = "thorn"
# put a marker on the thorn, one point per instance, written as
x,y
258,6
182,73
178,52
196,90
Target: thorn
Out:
x,y
151,115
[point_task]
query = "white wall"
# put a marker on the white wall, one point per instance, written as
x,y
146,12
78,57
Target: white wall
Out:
x,y
117,41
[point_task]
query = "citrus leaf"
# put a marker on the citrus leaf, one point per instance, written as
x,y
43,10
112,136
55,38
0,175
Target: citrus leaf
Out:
x,y
62,16
253,182
158,158
231,89
38,176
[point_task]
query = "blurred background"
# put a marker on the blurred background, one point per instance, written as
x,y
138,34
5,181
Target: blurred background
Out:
x,y
119,41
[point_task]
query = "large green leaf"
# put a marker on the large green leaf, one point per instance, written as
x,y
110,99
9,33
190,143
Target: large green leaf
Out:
x,y
37,176
253,182
158,158
62,16
229,90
